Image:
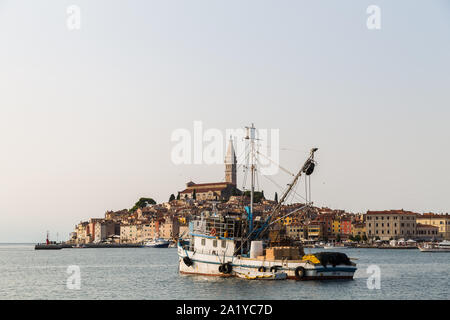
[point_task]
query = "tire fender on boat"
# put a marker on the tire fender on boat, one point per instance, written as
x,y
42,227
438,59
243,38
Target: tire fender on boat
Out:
x,y
262,269
274,268
226,268
187,261
300,273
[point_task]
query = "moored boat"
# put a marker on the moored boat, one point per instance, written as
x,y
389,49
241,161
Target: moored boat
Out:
x,y
157,243
443,246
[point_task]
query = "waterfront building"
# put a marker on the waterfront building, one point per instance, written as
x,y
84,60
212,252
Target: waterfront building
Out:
x,y
105,229
358,229
82,232
391,224
297,231
442,221
169,228
326,217
129,233
346,226
427,232
315,231
148,231
336,227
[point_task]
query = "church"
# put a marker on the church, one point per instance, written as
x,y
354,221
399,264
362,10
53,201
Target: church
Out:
x,y
216,190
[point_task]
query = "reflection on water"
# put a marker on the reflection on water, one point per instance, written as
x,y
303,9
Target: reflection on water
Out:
x,y
136,273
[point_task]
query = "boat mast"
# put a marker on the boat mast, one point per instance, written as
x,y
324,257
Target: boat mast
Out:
x,y
251,136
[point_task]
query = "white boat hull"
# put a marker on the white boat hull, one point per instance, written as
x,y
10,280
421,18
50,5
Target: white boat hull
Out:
x,y
208,265
434,249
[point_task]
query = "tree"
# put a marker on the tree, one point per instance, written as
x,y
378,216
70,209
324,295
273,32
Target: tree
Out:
x,y
364,237
357,238
338,238
172,197
142,203
194,195
276,197
178,196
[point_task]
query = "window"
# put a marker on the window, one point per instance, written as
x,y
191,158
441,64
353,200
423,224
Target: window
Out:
x,y
224,244
214,243
203,242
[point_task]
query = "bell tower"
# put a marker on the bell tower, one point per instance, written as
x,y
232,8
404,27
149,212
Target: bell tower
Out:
x,y
230,164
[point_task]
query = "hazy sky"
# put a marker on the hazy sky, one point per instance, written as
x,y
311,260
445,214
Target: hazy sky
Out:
x,y
86,116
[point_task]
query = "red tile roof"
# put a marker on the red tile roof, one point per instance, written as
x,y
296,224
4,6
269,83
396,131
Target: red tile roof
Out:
x,y
391,212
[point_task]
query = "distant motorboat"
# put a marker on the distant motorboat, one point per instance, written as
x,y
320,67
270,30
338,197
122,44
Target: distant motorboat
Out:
x,y
329,246
157,243
443,246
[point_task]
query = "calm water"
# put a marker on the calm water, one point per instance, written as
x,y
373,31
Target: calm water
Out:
x,y
145,273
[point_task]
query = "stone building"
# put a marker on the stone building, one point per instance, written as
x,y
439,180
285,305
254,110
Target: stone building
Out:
x,y
442,221
426,232
391,224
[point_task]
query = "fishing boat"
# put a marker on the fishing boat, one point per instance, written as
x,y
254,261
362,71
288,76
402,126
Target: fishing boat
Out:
x,y
443,246
240,244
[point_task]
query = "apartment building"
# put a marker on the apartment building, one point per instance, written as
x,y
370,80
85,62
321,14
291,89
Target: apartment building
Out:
x,y
442,221
391,224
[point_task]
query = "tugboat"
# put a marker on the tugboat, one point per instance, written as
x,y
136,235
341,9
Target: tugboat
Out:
x,y
230,245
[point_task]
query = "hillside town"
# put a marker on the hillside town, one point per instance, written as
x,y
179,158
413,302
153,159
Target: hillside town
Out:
x,y
170,220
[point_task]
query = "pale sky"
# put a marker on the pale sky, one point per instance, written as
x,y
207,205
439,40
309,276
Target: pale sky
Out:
x,y
86,115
